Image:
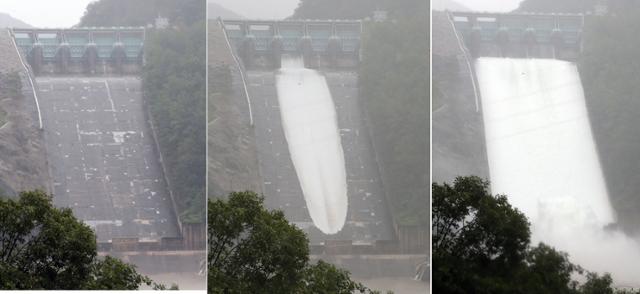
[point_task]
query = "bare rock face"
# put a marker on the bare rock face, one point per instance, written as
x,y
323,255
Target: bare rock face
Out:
x,y
23,163
232,157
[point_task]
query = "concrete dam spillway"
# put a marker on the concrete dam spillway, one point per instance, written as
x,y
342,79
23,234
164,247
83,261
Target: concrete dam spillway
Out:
x,y
314,152
542,155
103,163
310,125
539,142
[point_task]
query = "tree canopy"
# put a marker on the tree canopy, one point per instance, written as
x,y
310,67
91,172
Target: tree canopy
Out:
x,y
611,84
255,250
394,83
44,247
142,12
481,244
174,83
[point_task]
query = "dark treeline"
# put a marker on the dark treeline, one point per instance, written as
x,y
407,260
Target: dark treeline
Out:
x,y
173,85
609,70
394,81
142,12
256,250
47,248
482,244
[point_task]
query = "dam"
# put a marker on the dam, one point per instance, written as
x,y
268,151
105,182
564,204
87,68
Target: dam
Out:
x,y
82,50
537,132
282,90
103,160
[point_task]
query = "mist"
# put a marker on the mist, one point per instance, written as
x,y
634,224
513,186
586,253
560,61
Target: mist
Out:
x,y
38,13
490,5
270,9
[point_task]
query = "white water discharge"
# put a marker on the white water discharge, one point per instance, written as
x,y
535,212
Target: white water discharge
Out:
x,y
311,127
542,155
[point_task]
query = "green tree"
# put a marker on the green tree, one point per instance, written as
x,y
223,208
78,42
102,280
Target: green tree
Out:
x,y
478,239
174,85
548,270
44,247
142,12
255,250
597,284
608,70
481,245
252,249
394,83
324,278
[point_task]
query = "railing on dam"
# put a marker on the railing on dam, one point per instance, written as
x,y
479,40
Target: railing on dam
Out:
x,y
260,43
82,50
520,34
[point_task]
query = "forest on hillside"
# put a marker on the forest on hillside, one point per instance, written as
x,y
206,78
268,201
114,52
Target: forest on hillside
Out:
x,y
173,85
609,72
394,80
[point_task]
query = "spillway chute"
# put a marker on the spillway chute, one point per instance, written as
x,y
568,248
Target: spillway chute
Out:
x,y
310,125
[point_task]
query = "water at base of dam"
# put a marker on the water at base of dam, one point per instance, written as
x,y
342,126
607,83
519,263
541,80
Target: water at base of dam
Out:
x,y
310,125
542,155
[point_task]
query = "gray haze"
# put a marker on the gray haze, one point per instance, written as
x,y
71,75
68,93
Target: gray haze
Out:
x,y
441,5
490,5
215,10
260,9
7,21
38,13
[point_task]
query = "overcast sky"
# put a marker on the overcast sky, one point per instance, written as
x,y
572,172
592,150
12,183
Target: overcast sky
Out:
x,y
50,13
46,13
261,9
490,5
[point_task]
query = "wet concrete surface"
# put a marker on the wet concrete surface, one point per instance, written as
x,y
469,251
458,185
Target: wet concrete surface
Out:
x,y
102,157
367,217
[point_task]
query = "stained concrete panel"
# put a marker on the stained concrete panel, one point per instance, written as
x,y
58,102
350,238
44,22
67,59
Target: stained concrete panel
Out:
x,y
102,157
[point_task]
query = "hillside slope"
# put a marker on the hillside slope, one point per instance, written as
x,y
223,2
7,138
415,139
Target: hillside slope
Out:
x,y
8,21
232,158
215,10
23,164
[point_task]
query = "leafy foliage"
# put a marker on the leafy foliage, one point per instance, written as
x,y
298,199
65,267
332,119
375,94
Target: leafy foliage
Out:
x,y
112,274
254,250
481,245
44,247
479,241
142,12
394,81
174,87
608,69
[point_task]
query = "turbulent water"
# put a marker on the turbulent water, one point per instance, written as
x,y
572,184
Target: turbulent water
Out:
x,y
310,125
542,156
